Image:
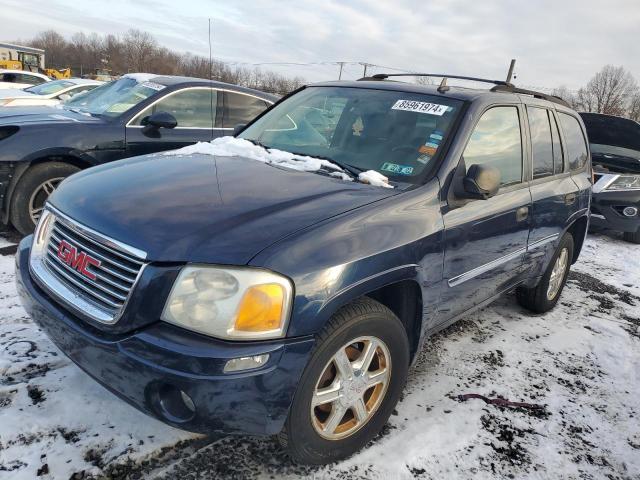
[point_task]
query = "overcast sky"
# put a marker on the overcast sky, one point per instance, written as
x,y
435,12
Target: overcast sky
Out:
x,y
555,42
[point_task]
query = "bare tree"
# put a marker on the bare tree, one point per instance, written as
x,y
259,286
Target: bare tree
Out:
x,y
608,92
138,51
634,107
55,46
565,94
139,46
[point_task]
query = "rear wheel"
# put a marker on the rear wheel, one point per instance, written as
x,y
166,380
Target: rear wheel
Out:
x,y
544,296
32,192
350,386
633,237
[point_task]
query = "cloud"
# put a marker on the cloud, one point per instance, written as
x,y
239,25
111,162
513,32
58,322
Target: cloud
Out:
x,y
556,43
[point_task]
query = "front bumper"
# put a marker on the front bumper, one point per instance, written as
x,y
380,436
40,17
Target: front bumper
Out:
x,y
606,210
150,368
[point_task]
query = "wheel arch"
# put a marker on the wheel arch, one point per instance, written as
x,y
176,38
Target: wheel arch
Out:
x,y
399,290
578,230
54,155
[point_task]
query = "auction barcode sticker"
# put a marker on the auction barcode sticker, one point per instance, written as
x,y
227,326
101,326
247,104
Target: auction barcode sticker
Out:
x,y
420,107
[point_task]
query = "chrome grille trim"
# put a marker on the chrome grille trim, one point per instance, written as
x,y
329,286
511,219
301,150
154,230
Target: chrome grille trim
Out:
x,y
102,299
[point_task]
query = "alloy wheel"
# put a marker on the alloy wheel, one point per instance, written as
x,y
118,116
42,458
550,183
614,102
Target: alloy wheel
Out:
x,y
557,274
351,388
39,197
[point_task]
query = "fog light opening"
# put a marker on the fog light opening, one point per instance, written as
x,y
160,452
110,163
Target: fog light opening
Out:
x,y
630,211
246,363
175,404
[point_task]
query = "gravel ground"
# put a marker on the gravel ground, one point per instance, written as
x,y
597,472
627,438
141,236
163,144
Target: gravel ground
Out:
x,y
580,363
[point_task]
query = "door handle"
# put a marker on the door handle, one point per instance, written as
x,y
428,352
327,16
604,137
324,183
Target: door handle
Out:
x,y
522,213
570,198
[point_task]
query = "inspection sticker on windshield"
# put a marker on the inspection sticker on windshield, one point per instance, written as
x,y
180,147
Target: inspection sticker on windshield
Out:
x,y
420,107
397,169
153,85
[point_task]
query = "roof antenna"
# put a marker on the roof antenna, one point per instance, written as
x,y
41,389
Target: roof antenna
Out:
x,y
213,120
510,73
443,85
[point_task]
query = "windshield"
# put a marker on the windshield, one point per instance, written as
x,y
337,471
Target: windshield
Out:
x,y
113,98
398,134
49,88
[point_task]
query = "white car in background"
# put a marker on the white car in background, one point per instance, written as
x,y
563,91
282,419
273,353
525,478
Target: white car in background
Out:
x,y
20,78
48,93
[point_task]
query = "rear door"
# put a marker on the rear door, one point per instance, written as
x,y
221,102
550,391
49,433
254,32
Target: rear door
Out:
x,y
577,152
194,108
239,109
554,194
485,240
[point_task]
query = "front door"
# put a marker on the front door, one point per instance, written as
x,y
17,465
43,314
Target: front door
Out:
x,y
485,240
194,109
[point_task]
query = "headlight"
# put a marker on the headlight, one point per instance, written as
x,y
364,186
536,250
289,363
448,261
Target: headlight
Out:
x,y
625,182
230,303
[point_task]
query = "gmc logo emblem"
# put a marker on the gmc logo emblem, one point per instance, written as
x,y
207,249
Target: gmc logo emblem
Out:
x,y
79,261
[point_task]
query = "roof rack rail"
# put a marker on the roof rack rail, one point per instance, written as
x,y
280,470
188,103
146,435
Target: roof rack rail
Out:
x,y
533,93
384,76
500,85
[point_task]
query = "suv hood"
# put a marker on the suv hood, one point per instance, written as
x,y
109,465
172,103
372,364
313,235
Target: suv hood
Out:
x,y
201,208
43,114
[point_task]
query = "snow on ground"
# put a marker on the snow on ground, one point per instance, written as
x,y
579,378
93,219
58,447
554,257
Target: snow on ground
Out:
x,y
238,147
581,361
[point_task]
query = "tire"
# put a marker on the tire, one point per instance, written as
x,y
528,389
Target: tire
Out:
x,y
539,299
632,237
364,320
32,184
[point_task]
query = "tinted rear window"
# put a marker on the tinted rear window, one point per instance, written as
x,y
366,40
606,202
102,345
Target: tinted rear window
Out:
x,y
575,142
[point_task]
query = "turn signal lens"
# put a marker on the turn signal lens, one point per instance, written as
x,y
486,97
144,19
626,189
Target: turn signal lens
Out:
x,y
261,309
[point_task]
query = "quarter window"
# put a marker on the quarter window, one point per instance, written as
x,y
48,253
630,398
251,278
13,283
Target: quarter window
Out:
x,y
541,144
496,141
191,108
558,157
574,138
239,108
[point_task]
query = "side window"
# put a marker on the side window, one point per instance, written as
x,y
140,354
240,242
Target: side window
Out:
x,y
496,141
541,144
190,107
558,157
239,108
30,79
9,77
576,145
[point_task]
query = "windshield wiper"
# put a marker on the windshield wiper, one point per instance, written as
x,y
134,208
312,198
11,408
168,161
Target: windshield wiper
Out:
x,y
351,169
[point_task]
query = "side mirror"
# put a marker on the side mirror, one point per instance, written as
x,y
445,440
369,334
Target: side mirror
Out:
x,y
481,182
159,120
64,96
238,128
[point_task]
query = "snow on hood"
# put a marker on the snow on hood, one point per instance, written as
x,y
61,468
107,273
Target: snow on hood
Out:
x,y
238,147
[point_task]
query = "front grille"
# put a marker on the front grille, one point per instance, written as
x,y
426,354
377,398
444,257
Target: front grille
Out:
x,y
106,286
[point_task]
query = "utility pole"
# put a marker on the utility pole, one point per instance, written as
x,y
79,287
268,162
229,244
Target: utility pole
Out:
x,y
340,74
365,65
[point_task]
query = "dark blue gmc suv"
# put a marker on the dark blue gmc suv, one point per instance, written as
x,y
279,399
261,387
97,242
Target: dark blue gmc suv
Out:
x,y
283,281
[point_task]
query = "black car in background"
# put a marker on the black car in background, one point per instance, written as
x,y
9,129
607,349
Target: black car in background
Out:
x,y
615,152
135,115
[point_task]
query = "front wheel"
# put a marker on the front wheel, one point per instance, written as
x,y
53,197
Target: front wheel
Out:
x,y
544,296
350,386
32,192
